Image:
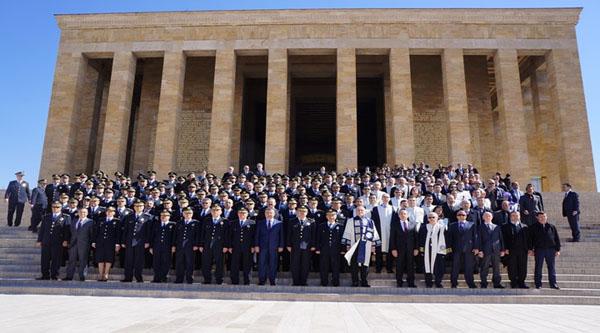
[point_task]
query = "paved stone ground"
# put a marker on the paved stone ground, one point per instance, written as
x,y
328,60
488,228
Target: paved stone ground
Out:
x,y
33,313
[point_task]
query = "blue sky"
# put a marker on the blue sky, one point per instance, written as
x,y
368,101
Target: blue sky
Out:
x,y
30,40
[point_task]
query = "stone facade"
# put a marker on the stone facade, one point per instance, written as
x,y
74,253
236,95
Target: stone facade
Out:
x,y
500,88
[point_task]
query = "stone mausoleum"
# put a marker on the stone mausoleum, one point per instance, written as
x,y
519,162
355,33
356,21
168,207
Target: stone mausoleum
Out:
x,y
344,88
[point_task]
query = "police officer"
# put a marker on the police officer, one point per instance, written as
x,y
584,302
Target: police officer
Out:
x,y
17,194
52,237
300,244
241,246
39,204
213,243
106,242
187,235
329,247
135,241
162,246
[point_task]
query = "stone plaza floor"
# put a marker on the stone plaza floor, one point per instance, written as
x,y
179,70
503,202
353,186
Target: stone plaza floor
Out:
x,y
34,313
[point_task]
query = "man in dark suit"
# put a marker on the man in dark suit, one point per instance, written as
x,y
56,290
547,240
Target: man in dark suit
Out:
x,y
162,246
404,247
529,204
301,243
570,210
463,243
490,250
213,244
16,195
241,246
39,205
52,237
516,242
52,191
269,241
545,246
79,236
502,216
135,241
329,247
187,238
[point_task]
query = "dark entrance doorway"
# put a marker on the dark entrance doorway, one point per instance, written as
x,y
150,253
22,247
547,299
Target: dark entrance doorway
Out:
x,y
370,122
312,127
254,113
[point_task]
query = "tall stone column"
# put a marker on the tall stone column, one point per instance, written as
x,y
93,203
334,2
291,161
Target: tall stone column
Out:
x,y
277,129
118,112
169,109
455,100
511,120
401,124
221,121
346,126
64,106
576,164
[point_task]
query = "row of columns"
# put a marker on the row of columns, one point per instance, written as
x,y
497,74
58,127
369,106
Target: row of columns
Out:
x,y
564,77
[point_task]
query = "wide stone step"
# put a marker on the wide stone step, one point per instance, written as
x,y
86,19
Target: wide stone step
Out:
x,y
289,293
344,281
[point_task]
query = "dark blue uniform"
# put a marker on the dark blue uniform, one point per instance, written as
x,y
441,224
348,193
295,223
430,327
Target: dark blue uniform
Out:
x,y
241,241
17,194
213,238
329,244
106,235
301,238
161,243
136,232
39,203
53,232
187,236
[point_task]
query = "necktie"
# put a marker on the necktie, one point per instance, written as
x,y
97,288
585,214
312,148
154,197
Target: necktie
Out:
x,y
78,225
242,223
404,226
269,224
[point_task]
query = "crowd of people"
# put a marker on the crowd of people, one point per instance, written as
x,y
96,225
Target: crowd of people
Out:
x,y
409,219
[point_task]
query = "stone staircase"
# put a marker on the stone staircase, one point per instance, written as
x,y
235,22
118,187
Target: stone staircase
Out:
x,y
578,270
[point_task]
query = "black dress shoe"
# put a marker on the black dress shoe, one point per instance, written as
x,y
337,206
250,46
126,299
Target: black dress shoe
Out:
x,y
67,279
555,287
454,286
30,228
523,286
472,286
189,281
429,286
42,278
439,286
412,285
54,278
178,282
273,283
261,283
499,287
365,285
354,284
155,281
399,284
390,271
139,281
126,280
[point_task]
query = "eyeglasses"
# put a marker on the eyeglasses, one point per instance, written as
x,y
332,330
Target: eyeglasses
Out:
x,y
461,215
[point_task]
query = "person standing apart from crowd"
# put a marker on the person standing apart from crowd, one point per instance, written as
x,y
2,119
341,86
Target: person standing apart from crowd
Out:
x,y
16,195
